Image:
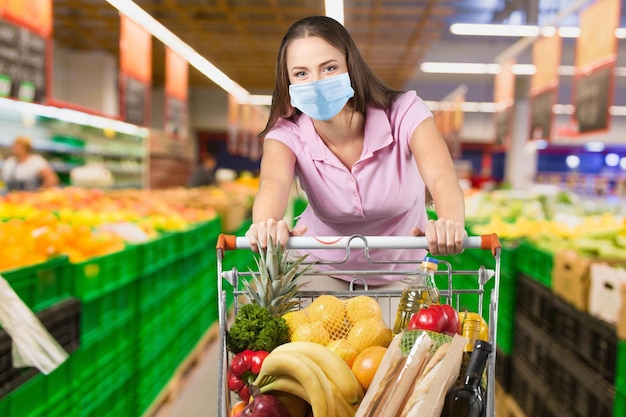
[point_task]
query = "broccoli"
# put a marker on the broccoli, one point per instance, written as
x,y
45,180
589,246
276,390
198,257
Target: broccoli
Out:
x,y
255,328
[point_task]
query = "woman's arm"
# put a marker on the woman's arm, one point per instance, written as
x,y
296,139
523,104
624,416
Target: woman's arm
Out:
x,y
445,236
49,177
270,203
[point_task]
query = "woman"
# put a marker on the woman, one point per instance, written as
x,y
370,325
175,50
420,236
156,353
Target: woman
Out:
x,y
364,154
25,170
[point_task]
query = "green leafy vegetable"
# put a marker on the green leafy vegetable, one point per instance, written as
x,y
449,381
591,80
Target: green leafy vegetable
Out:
x,y
255,328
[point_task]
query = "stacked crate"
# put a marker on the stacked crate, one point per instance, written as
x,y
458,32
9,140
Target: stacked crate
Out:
x,y
143,310
564,359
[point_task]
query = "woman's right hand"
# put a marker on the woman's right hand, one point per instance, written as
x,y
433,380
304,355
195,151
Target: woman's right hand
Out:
x,y
278,230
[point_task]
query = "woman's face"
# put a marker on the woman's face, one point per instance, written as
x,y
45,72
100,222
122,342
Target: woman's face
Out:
x,y
19,150
312,58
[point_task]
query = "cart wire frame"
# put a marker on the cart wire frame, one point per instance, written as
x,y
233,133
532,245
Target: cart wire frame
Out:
x,y
348,243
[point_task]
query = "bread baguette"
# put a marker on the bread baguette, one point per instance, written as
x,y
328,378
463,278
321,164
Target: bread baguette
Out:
x,y
428,395
387,371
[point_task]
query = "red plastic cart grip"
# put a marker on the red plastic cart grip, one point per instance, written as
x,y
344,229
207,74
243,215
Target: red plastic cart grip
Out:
x,y
226,242
490,242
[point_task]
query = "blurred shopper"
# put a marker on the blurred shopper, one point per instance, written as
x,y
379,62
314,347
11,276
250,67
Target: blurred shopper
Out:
x,y
204,174
366,155
25,170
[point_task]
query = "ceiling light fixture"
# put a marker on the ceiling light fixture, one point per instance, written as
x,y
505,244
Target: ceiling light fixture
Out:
x,y
519,31
334,9
142,18
492,69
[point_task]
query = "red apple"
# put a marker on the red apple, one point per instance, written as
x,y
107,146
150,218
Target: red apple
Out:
x,y
265,405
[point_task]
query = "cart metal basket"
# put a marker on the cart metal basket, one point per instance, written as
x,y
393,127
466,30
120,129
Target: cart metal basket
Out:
x,y
229,282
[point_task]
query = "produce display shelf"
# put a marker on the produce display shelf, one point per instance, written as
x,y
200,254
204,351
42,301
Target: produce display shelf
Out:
x,y
41,285
620,367
159,252
119,305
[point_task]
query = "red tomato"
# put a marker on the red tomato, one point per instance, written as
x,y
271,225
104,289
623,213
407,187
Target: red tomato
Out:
x,y
454,324
431,318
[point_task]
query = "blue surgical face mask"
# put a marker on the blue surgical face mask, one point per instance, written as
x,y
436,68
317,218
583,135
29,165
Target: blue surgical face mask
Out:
x,y
322,99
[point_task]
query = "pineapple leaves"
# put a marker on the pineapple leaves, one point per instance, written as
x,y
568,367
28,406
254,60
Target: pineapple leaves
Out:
x,y
275,285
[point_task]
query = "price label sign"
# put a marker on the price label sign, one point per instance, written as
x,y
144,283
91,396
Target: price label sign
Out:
x,y
541,114
592,100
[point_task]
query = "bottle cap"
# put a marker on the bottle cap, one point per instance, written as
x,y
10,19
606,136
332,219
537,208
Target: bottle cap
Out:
x,y
431,260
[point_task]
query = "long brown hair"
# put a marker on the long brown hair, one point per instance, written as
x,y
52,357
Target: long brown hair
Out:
x,y
368,88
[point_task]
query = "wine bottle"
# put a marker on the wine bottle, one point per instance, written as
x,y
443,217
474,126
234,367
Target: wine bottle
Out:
x,y
468,400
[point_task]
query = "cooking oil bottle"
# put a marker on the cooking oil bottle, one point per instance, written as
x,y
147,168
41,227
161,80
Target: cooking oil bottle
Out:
x,y
421,292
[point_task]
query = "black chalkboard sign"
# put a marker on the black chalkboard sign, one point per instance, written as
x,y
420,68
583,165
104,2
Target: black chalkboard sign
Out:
x,y
134,100
541,114
591,100
175,117
22,63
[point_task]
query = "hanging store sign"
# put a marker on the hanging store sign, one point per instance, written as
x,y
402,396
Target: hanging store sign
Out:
x,y
23,63
35,15
595,57
176,92
135,72
544,86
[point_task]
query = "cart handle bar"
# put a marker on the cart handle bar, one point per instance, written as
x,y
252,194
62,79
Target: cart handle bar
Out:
x,y
486,242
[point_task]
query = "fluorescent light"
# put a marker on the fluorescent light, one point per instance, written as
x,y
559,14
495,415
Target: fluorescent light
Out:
x,y
473,68
261,100
519,31
572,161
142,18
491,107
611,159
74,116
459,68
594,146
563,109
334,9
470,29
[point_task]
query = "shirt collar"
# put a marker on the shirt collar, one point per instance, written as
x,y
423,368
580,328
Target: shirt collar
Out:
x,y
378,134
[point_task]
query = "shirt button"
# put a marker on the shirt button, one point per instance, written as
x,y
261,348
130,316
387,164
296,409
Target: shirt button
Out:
x,y
355,194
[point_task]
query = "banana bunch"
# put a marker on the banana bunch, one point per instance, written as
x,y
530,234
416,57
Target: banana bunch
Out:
x,y
313,373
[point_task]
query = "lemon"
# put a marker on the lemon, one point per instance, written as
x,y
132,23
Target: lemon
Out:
x,y
370,332
311,332
362,307
328,310
344,350
295,319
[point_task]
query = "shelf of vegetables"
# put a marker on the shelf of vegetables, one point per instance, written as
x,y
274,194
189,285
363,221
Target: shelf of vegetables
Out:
x,y
146,289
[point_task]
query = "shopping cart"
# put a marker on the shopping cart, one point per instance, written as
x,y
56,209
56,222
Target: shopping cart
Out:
x,y
228,283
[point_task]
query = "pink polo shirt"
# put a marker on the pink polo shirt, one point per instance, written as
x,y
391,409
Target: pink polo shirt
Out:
x,y
382,195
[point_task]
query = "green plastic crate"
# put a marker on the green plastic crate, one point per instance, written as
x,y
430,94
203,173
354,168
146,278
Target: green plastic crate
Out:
x,y
200,237
100,275
42,285
619,406
98,314
620,366
42,395
156,286
535,263
159,252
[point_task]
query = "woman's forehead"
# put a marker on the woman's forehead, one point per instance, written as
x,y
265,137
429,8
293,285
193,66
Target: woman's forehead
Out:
x,y
311,51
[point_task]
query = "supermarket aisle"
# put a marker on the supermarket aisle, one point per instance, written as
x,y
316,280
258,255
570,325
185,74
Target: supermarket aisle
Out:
x,y
198,396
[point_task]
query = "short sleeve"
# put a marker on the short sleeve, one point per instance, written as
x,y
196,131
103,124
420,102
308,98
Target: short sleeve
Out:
x,y
286,133
407,112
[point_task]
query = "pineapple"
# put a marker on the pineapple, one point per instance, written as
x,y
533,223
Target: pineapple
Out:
x,y
275,286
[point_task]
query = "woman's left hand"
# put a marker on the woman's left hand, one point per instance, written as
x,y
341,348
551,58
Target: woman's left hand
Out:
x,y
445,237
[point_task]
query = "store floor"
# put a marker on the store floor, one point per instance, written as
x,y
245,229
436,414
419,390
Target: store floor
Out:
x,y
198,394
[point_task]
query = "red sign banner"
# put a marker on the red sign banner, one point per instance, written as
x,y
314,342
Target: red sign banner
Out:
x,y
135,50
176,75
35,15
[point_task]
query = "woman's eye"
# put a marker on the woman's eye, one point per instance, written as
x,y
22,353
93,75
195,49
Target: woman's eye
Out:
x,y
300,74
330,68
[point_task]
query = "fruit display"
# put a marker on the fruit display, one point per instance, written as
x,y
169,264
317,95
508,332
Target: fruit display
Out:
x,y
84,223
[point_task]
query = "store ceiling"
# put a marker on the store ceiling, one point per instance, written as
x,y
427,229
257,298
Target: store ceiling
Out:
x,y
241,37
